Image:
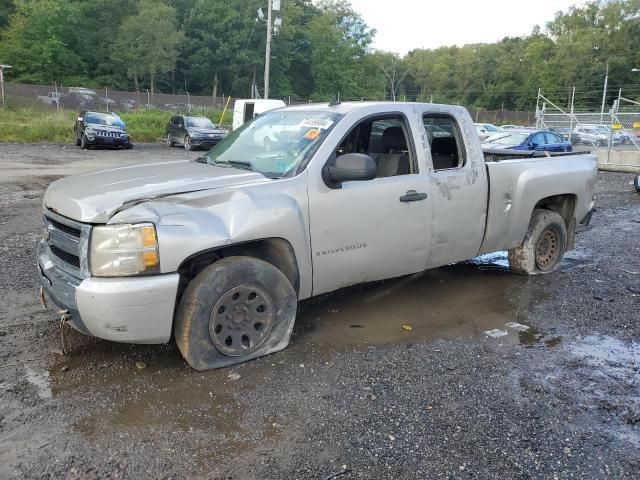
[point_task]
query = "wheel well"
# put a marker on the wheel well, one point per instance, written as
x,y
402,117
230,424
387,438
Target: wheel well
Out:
x,y
565,205
276,251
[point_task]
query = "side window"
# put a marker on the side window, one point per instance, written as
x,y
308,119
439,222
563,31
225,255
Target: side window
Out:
x,y
385,140
538,139
445,141
552,138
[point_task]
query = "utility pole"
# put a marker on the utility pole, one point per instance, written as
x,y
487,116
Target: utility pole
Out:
x,y
2,68
267,55
604,92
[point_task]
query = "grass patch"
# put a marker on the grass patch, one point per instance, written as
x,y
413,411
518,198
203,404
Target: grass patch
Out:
x,y
37,125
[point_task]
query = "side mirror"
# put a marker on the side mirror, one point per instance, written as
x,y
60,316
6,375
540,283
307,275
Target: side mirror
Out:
x,y
350,167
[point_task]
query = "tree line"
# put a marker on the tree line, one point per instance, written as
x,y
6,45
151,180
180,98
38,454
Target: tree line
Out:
x,y
323,49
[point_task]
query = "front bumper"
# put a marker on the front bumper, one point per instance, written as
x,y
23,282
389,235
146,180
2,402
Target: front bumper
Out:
x,y
108,141
129,310
205,142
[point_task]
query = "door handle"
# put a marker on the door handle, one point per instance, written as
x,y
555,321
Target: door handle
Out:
x,y
413,196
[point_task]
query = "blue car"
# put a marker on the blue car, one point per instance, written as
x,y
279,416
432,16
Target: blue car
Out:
x,y
538,140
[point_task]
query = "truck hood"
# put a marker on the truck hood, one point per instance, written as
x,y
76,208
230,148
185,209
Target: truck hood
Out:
x,y
96,197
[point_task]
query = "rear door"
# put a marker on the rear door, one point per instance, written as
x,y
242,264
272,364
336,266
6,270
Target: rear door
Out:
x,y
459,192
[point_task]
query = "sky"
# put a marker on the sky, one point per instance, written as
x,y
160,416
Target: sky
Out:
x,y
403,25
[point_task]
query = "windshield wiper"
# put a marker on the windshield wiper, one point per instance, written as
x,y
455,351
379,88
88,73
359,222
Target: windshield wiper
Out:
x,y
228,163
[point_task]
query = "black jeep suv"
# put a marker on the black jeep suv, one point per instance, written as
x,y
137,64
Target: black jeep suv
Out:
x,y
97,128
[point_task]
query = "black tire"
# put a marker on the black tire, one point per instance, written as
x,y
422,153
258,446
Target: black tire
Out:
x,y
128,145
187,143
77,140
636,183
207,316
84,142
543,247
170,143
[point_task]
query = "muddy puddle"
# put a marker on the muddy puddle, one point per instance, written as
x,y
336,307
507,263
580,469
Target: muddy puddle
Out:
x,y
460,301
164,397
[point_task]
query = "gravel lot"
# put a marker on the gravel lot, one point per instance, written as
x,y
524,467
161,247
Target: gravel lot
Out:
x,y
355,395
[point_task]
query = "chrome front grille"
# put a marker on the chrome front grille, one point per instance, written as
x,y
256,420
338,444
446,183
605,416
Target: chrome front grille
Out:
x,y
67,241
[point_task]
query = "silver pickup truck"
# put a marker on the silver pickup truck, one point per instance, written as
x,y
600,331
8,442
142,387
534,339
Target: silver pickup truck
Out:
x,y
217,251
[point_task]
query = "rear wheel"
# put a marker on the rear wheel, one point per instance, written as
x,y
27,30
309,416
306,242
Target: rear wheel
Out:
x,y
237,309
543,247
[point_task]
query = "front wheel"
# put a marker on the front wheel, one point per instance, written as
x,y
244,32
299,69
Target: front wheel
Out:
x,y
235,310
543,247
170,142
84,142
636,183
187,143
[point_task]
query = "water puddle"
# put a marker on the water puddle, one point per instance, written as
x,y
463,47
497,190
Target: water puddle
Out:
x,y
41,381
459,301
608,353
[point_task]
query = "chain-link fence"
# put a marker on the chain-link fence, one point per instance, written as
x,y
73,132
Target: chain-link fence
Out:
x,y
113,100
105,99
615,129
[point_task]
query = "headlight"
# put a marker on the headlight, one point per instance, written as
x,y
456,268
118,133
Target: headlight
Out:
x,y
124,250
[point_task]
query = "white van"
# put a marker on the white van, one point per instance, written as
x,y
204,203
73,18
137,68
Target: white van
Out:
x,y
245,110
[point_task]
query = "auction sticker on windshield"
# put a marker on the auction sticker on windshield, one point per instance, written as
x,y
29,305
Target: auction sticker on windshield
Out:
x,y
312,134
321,123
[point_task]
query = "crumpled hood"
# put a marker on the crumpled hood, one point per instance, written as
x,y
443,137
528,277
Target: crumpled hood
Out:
x,y
96,197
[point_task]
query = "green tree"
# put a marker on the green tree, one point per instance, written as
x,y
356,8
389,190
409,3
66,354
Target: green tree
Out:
x,y
148,42
7,7
40,41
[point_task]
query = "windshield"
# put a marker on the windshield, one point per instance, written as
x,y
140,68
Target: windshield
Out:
x,y
275,144
103,119
512,138
199,122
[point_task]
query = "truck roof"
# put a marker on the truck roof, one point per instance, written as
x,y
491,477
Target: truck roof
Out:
x,y
346,107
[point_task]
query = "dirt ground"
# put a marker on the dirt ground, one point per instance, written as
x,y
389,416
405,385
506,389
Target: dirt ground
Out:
x,y
355,396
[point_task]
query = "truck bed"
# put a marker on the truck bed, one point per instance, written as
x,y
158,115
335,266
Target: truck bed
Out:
x,y
517,182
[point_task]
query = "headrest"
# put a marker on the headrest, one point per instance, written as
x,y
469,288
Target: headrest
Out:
x,y
393,139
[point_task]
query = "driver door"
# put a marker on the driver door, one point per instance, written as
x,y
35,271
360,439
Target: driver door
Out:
x,y
374,229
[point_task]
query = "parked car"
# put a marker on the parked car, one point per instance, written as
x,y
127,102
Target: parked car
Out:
x,y
84,96
102,129
617,137
192,132
217,251
52,98
591,136
539,140
567,134
485,130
